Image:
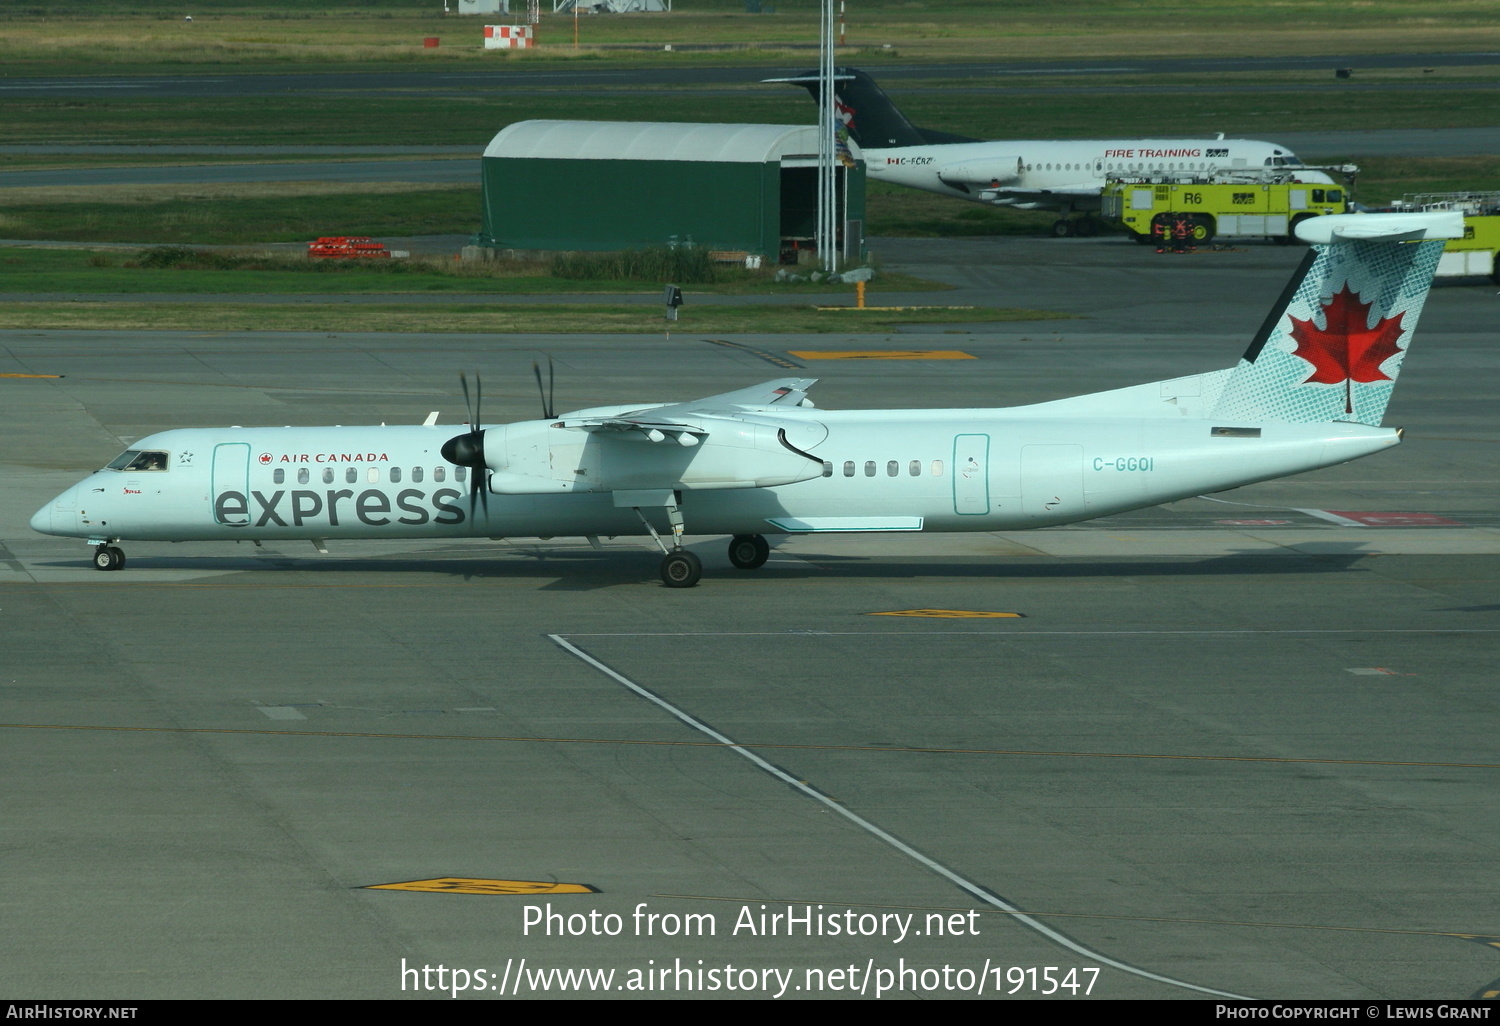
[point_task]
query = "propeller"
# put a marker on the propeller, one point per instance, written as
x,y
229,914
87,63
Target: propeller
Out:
x,y
547,411
467,450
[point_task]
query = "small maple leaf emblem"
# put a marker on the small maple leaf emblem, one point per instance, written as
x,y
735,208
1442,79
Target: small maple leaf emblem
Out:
x,y
1346,349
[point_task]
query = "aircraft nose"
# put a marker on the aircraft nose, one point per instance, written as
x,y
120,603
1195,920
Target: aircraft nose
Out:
x,y
60,516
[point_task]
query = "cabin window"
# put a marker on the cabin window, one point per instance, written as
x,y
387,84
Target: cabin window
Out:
x,y
373,475
438,473
827,469
916,468
893,468
278,476
869,468
351,475
416,475
395,475
328,475
937,468
459,473
303,475
848,468
135,460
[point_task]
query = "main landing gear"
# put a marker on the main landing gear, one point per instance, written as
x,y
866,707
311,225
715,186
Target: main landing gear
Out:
x,y
679,567
749,551
108,557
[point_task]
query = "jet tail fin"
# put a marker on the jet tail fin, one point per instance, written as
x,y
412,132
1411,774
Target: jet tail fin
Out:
x,y
1331,348
872,119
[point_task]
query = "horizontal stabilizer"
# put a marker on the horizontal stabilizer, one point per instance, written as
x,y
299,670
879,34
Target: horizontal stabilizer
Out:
x,y
1435,224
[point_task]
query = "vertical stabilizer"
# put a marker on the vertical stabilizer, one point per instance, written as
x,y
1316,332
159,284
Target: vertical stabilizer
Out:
x,y
1331,348
871,118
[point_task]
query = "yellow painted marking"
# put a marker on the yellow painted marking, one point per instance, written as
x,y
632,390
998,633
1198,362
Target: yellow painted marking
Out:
x,y
950,614
471,885
881,354
30,375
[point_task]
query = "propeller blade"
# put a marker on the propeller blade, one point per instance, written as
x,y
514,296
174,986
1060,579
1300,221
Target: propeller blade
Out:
x,y
546,391
463,379
476,487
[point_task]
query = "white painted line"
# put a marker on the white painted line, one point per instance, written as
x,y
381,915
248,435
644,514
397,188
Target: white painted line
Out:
x,y
1373,671
972,888
1332,518
281,712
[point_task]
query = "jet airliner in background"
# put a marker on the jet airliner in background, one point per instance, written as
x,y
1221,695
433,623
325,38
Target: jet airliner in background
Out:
x,y
1065,175
1310,392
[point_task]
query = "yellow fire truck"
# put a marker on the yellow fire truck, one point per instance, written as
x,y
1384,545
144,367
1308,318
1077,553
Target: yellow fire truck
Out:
x,y
1250,204
1475,253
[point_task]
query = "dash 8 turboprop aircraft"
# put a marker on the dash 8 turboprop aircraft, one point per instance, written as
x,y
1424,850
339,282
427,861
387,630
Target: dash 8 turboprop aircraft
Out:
x,y
1310,392
1065,175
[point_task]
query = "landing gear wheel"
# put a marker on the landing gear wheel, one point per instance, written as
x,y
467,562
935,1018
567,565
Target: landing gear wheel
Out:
x,y
108,557
1061,229
1086,228
749,551
681,569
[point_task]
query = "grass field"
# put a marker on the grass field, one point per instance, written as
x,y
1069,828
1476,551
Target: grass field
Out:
x,y
128,37
293,212
152,35
229,215
528,319
81,271
1169,110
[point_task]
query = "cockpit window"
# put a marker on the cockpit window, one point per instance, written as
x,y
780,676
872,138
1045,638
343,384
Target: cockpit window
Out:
x,y
137,460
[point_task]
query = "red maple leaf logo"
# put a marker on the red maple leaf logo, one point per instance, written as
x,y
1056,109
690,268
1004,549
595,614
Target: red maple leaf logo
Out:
x,y
1347,350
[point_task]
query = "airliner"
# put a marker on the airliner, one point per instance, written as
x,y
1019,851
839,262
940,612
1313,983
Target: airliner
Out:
x,y
1309,392
1065,175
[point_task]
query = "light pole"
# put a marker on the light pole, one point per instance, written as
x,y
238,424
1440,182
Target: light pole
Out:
x,y
828,208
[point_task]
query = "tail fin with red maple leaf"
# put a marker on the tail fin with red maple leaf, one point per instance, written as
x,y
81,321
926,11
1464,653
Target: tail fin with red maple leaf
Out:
x,y
1331,348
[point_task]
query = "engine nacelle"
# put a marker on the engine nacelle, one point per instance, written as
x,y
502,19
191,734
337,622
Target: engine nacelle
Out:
x,y
536,457
991,170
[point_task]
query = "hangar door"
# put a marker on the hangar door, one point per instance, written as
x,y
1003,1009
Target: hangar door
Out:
x,y
799,209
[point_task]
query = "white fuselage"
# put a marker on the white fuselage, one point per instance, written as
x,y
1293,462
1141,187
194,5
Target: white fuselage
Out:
x,y
1057,174
883,470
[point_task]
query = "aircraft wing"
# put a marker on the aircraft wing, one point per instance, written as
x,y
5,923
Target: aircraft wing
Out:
x,y
684,422
781,392
1085,189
